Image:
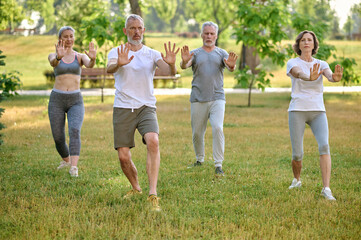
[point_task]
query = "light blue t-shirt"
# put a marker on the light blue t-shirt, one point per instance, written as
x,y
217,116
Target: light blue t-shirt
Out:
x,y
208,67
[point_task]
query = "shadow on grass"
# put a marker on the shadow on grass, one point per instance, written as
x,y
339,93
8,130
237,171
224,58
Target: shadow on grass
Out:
x,y
245,106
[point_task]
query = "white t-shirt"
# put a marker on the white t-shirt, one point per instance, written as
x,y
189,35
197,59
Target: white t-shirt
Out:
x,y
306,95
134,81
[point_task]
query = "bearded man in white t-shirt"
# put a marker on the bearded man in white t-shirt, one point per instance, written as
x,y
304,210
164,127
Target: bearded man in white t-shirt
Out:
x,y
133,65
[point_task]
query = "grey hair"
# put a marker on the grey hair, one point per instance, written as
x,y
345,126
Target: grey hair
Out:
x,y
62,29
212,24
134,17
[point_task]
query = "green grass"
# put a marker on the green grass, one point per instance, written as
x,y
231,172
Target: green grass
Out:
x,y
29,56
251,202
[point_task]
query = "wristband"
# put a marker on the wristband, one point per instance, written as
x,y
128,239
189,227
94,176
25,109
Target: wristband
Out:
x,y
57,58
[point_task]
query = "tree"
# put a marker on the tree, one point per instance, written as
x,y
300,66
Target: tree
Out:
x,y
107,31
72,13
222,12
11,13
45,8
135,7
260,27
348,27
165,9
349,75
9,82
356,19
319,10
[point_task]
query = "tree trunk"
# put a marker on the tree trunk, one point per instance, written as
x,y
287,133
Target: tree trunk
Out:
x,y
250,58
135,8
249,93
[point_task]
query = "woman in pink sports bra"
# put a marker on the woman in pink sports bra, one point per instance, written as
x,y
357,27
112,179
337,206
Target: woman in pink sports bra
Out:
x,y
66,100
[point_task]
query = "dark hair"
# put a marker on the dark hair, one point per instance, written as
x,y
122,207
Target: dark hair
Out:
x,y
296,46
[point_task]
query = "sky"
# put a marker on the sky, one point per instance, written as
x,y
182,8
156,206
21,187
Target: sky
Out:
x,y
342,8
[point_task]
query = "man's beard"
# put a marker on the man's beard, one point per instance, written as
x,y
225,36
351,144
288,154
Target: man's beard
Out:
x,y
134,42
209,44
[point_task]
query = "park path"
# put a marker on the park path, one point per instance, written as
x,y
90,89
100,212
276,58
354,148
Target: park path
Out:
x,y
187,91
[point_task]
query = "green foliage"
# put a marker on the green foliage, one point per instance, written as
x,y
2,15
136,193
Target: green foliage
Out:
x,y
47,13
9,82
245,78
105,30
349,76
219,11
261,25
11,13
165,9
72,13
348,27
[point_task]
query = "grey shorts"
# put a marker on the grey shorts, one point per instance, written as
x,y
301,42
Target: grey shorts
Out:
x,y
125,121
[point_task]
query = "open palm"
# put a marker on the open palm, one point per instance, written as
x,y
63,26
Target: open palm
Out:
x,y
170,54
337,75
123,55
92,51
231,61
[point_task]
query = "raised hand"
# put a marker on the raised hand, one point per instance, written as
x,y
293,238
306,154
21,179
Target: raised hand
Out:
x,y
170,54
92,51
231,61
60,49
186,56
337,75
123,55
314,74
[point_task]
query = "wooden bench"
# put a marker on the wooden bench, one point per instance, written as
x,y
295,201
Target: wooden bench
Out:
x,y
98,77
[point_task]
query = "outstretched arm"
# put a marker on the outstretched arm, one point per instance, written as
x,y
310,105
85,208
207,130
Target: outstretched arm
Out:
x,y
336,76
114,64
88,59
186,57
231,61
54,58
167,65
314,74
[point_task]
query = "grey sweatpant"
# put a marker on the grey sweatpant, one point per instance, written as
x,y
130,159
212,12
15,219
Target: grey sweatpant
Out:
x,y
317,120
62,103
200,113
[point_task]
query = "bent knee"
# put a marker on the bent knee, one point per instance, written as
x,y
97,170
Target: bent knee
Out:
x,y
217,129
324,149
124,158
297,157
152,144
74,133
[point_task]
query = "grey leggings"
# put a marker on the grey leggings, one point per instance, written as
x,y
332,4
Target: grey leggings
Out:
x,y
72,104
317,121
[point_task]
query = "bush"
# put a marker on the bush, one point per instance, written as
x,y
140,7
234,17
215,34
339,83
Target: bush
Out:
x,y
9,82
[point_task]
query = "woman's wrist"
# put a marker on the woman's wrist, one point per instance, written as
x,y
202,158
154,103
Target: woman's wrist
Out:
x,y
57,58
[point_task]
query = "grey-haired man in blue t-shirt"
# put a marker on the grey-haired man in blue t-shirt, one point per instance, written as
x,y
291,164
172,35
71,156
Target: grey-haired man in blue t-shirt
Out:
x,y
207,96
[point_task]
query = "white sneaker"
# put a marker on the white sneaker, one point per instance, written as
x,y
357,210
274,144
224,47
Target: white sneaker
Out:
x,y
63,164
295,184
326,192
73,171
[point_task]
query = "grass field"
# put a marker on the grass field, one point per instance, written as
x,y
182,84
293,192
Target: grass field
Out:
x,y
251,202
29,56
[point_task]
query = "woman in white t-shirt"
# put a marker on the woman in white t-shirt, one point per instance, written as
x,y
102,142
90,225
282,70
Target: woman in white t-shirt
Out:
x,y
307,106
